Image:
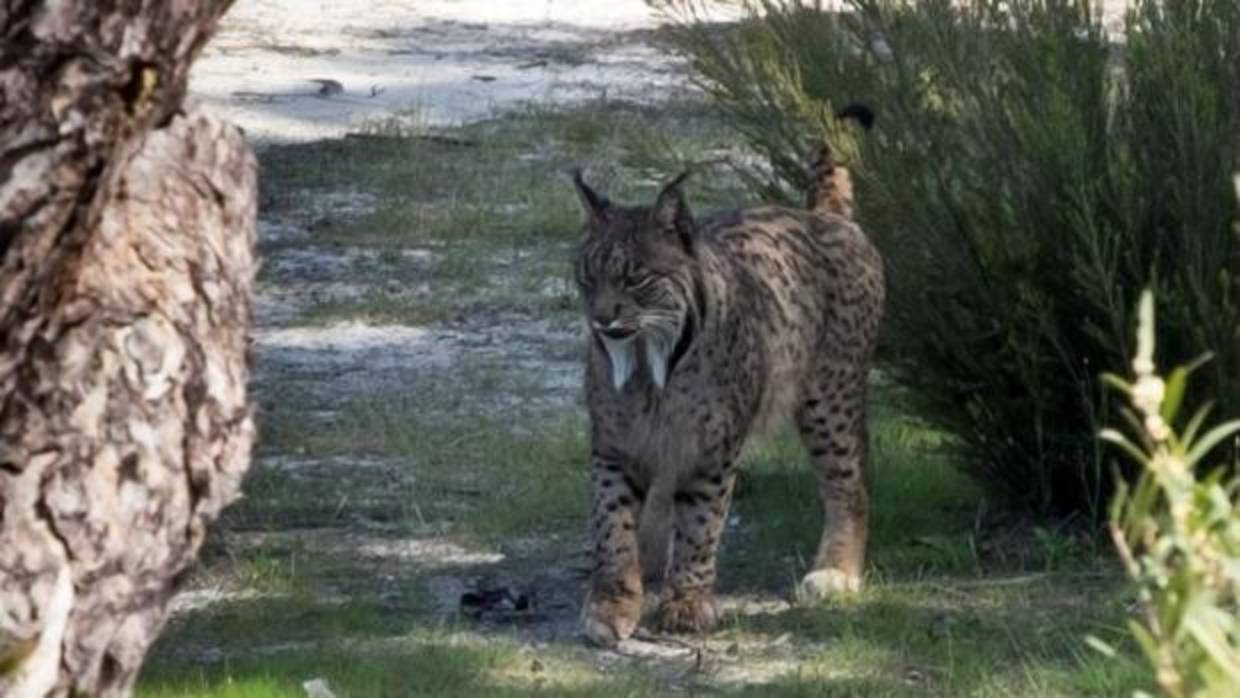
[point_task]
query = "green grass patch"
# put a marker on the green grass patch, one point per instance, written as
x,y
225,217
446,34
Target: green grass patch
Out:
x,y
425,664
280,619
1019,639
490,202
380,308
936,620
501,180
466,471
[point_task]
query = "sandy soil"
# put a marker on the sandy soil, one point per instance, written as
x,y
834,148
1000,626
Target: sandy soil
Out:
x,y
445,61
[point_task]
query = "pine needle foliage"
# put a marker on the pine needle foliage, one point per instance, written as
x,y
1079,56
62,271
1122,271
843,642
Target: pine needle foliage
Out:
x,y
1031,171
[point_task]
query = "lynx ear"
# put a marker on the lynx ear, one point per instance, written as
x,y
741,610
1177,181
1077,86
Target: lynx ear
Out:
x,y
595,204
671,212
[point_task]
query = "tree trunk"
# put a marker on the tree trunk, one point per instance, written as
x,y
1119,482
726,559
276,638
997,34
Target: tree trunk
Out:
x,y
126,260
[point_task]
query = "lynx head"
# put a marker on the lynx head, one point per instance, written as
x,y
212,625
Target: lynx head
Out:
x,y
636,271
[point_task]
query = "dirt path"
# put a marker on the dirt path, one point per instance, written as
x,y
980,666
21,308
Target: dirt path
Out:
x,y
448,61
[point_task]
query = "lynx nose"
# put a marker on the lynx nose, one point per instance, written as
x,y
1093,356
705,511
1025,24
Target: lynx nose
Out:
x,y
609,325
604,318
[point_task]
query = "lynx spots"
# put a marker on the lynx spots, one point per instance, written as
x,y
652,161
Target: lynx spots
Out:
x,y
702,332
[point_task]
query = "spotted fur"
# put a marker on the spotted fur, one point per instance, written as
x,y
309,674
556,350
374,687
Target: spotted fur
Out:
x,y
700,334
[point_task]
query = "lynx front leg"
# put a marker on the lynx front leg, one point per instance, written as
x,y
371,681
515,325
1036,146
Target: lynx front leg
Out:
x,y
701,506
613,607
833,429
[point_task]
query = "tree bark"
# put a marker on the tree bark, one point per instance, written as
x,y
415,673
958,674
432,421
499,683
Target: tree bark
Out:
x,y
126,261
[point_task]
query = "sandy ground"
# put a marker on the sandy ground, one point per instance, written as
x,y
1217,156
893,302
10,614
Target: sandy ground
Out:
x,y
443,61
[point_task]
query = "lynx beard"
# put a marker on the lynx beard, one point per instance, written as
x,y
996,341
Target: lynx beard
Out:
x,y
658,337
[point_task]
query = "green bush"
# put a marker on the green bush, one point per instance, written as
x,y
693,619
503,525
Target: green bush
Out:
x,y
1178,533
1028,175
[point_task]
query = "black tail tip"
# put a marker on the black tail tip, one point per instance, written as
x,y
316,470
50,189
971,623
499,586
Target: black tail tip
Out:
x,y
863,114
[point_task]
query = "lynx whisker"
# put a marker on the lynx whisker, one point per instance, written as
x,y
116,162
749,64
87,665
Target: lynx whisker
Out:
x,y
661,336
622,354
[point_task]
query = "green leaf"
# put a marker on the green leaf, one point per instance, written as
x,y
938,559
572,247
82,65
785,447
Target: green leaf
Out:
x,y
1205,624
1174,394
1145,640
1116,382
1199,362
1212,439
1190,431
1114,437
1105,649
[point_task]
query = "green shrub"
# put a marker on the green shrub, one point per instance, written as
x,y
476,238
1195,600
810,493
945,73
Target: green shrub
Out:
x,y
1027,176
1178,533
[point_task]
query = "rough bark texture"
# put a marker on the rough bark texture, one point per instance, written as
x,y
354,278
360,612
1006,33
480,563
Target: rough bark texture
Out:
x,y
126,238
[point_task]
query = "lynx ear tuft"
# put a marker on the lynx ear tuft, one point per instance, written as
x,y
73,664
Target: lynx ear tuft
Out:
x,y
596,205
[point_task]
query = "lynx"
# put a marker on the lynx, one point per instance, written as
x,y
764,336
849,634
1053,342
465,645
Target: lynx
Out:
x,y
701,333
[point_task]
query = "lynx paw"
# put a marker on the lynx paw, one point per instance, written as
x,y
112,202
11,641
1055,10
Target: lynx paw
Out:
x,y
691,613
821,584
609,620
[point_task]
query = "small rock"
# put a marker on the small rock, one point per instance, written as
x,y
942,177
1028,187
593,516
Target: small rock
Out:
x,y
317,688
328,87
501,600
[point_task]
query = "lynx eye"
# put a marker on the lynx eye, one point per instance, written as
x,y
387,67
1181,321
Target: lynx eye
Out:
x,y
639,283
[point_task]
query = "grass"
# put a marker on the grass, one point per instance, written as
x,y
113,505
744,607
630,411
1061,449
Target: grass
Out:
x,y
938,619
502,182
437,665
488,202
367,516
476,460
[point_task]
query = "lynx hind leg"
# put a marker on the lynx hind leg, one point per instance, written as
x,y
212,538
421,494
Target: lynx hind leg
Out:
x,y
701,509
832,424
612,609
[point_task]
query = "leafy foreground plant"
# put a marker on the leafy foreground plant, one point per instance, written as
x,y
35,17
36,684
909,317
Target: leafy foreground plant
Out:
x,y
1178,535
